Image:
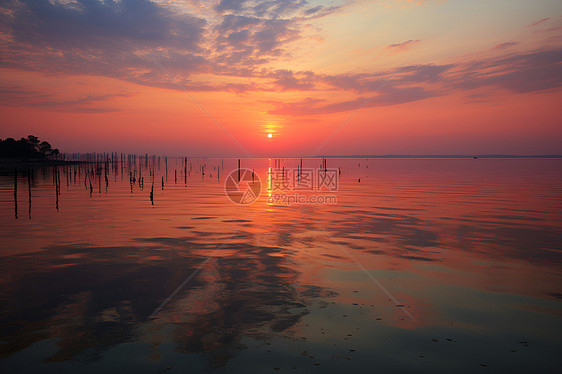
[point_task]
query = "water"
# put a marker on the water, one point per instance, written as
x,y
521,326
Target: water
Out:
x,y
432,265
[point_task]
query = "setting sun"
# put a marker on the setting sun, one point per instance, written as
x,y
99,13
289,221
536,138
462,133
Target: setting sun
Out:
x,y
270,135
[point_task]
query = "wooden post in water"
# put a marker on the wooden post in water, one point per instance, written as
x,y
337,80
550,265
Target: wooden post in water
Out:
x,y
106,180
29,191
238,170
57,187
16,192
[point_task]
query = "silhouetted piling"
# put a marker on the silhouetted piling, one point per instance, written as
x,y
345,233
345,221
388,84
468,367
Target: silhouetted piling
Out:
x,y
29,192
238,170
152,194
57,188
16,193
162,183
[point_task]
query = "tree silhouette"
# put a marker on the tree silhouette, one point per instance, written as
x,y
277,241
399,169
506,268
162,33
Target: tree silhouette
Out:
x,y
27,148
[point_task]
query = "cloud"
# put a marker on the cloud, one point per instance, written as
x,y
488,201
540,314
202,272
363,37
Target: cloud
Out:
x,y
414,74
148,43
122,39
518,73
288,80
386,96
505,45
550,29
264,8
256,32
402,47
111,39
230,5
20,96
538,22
94,24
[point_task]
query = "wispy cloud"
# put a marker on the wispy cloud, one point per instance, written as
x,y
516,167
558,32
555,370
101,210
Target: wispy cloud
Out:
x,y
538,22
402,47
20,96
517,73
505,45
389,95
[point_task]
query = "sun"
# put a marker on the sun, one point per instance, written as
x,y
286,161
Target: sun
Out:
x,y
270,135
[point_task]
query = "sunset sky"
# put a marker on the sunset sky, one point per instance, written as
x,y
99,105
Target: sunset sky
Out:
x,y
213,78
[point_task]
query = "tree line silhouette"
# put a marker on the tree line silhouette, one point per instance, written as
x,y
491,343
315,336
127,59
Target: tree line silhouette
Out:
x,y
27,148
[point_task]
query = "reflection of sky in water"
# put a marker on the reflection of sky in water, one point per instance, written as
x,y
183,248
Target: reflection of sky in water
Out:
x,y
470,248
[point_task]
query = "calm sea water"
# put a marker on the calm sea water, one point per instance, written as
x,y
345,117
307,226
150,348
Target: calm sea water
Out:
x,y
441,265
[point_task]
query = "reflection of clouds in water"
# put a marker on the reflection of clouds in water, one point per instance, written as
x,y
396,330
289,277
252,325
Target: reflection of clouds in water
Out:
x,y
97,297
361,228
419,239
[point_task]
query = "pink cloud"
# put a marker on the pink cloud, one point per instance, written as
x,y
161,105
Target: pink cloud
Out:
x,y
505,45
538,22
401,47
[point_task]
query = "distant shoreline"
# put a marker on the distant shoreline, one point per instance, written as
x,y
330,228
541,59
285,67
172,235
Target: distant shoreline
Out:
x,y
448,156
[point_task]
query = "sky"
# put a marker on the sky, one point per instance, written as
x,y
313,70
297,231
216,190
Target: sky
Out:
x,y
342,77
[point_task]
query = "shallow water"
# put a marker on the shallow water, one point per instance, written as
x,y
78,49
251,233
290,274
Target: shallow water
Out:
x,y
433,265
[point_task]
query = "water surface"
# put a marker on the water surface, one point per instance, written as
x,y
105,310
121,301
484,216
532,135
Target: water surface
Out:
x,y
433,265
